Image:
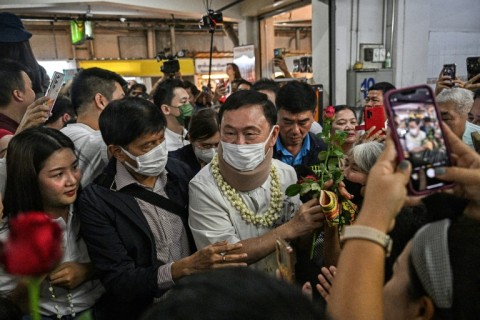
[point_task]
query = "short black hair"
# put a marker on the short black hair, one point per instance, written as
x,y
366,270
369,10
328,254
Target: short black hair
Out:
x,y
62,105
88,82
203,124
296,97
245,98
254,296
193,88
382,86
164,93
10,79
125,120
341,107
266,84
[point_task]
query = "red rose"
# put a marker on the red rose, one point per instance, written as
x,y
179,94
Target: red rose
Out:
x,y
34,245
329,112
311,177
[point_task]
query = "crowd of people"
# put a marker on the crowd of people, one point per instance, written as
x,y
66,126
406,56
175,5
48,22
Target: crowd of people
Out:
x,y
171,202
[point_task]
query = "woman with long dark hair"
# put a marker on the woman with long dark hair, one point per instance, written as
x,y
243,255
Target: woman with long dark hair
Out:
x,y
43,175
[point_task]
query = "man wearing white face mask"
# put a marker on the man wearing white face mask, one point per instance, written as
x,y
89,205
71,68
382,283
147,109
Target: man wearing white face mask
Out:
x,y
134,216
240,196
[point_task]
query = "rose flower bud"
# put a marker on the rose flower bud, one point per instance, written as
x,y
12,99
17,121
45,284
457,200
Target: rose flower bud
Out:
x,y
34,245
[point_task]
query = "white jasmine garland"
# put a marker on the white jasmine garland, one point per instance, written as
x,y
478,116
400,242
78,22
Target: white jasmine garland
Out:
x,y
270,216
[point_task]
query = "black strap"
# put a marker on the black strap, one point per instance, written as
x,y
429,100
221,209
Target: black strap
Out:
x,y
154,198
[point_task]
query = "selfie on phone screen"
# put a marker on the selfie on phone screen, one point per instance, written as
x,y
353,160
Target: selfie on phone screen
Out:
x,y
419,136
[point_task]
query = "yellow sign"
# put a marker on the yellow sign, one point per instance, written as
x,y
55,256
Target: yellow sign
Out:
x,y
137,68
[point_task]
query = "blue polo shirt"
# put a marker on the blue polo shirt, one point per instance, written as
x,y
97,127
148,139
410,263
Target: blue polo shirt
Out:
x,y
288,158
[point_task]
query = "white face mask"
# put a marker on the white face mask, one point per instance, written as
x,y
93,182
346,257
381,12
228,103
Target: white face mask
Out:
x,y
206,155
151,163
467,134
244,157
414,131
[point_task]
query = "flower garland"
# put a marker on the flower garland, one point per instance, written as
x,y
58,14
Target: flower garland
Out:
x,y
270,216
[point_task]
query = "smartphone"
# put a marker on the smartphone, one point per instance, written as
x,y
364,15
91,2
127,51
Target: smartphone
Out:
x,y
450,70
473,67
285,260
278,53
374,116
426,147
54,87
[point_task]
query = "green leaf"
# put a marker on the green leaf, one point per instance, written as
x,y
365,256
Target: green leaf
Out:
x,y
305,188
316,187
322,155
293,190
338,153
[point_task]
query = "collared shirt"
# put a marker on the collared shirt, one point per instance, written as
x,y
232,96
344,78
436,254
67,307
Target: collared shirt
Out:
x,y
8,123
74,249
92,151
288,158
174,140
170,237
212,217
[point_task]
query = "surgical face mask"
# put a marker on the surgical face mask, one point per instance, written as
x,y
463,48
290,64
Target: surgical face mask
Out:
x,y
151,163
414,132
467,134
244,157
186,110
206,155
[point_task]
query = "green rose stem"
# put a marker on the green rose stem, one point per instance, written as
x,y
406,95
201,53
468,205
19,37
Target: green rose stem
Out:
x,y
33,295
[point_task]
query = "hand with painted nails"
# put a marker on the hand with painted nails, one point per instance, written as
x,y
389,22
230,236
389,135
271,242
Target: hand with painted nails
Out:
x,y
465,172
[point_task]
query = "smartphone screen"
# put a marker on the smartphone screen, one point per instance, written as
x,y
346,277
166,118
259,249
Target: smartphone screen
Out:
x,y
374,116
54,87
285,260
473,67
450,70
278,53
418,135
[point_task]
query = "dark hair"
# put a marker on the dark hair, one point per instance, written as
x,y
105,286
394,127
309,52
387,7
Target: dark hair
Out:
x,y
165,92
22,53
245,98
62,105
296,97
123,121
26,155
236,70
193,88
342,107
233,294
203,124
10,79
88,82
137,86
382,86
266,84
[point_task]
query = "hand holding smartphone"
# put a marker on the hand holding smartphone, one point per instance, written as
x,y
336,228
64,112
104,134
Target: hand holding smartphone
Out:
x,y
54,87
450,70
418,134
285,260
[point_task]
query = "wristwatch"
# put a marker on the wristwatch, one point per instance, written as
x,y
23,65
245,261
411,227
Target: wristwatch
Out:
x,y
368,233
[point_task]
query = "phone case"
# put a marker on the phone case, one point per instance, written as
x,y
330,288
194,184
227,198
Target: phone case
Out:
x,y
285,260
423,162
374,116
54,88
476,140
473,67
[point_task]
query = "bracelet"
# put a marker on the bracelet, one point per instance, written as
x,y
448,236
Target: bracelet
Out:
x,y
368,233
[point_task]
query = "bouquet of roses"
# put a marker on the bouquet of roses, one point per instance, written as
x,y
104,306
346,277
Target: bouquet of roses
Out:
x,y
338,211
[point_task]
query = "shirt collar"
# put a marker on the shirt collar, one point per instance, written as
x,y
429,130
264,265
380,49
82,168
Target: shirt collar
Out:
x,y
303,151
